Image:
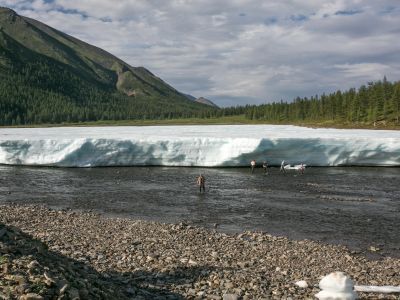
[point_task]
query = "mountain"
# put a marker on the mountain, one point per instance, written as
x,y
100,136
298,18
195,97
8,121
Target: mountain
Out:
x,y
201,100
47,76
205,101
190,97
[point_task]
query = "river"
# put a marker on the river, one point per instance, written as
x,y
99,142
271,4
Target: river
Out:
x,y
357,207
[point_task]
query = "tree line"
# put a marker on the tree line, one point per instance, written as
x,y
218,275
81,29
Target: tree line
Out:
x,y
376,102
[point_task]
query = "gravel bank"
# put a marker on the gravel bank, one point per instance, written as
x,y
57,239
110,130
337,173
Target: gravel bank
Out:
x,y
49,254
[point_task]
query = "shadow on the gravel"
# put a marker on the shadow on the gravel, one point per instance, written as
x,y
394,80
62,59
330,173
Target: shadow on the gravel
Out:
x,y
18,250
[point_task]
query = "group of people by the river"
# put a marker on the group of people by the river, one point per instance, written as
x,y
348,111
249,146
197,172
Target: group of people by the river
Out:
x,y
201,180
300,168
253,165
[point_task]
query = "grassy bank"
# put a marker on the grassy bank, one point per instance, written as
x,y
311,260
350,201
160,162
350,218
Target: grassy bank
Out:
x,y
228,120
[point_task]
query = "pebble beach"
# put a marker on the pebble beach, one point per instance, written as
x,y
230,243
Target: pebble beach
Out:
x,y
65,254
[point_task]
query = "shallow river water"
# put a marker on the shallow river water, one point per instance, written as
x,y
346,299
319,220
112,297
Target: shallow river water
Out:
x,y
357,207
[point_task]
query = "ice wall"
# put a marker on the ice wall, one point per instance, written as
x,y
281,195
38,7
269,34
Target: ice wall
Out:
x,y
217,145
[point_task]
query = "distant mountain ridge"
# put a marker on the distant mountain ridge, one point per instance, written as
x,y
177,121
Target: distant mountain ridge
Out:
x,y
201,100
59,68
205,101
190,97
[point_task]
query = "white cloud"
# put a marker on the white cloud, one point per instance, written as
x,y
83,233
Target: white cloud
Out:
x,y
239,51
363,70
219,20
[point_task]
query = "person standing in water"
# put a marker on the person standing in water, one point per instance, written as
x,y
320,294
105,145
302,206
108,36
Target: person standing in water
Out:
x,y
302,168
201,182
282,169
265,166
253,165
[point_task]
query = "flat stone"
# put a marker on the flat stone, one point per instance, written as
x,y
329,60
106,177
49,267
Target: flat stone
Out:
x,y
230,297
33,264
3,231
228,285
302,284
31,296
64,289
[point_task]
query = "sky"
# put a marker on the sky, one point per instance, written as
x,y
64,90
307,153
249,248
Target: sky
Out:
x,y
237,52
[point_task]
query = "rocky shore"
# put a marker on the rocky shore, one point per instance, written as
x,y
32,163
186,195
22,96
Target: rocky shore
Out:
x,y
50,254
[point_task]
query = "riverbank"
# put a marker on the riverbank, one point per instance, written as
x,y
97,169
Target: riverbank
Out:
x,y
226,120
71,254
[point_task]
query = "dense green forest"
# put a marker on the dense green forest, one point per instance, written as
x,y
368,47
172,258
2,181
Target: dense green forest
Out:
x,y
377,103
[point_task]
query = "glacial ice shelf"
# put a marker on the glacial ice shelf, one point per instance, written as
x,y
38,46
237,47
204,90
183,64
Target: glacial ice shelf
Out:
x,y
208,145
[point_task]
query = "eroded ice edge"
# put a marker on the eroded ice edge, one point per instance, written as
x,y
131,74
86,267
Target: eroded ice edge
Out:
x,y
211,146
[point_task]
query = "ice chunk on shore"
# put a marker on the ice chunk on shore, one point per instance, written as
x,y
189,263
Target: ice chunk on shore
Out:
x,y
386,289
336,286
211,146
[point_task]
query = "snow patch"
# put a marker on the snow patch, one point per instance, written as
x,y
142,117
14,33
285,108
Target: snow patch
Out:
x,y
210,146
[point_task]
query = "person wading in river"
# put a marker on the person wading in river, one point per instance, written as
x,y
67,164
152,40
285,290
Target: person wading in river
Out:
x,y
282,169
302,168
253,165
265,166
201,182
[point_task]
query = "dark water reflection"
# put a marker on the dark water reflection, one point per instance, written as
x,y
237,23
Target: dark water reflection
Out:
x,y
359,207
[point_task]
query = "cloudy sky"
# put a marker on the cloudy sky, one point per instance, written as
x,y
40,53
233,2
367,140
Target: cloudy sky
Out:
x,y
239,51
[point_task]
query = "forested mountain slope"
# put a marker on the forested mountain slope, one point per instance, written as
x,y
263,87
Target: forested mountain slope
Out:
x,y
47,76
